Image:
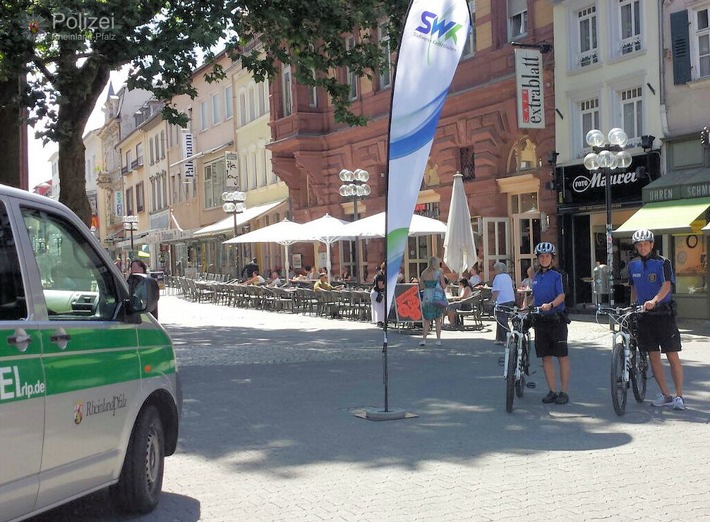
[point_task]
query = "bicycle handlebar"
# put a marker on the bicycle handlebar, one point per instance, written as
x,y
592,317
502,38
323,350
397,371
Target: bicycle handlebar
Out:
x,y
619,310
515,310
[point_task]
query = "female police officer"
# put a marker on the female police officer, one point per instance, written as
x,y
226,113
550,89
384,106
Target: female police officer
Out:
x,y
548,290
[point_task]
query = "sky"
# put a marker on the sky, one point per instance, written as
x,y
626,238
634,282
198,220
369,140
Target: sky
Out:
x,y
40,170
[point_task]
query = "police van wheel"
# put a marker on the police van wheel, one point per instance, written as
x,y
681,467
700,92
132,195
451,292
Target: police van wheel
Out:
x,y
141,481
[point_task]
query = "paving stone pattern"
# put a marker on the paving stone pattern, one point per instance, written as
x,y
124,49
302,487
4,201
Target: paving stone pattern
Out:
x,y
268,432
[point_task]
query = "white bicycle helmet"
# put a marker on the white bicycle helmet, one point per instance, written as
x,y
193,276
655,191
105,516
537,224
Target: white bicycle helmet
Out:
x,y
545,248
642,235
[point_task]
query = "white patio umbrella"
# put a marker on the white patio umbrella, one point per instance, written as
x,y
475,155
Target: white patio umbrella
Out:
x,y
374,226
326,229
284,233
459,244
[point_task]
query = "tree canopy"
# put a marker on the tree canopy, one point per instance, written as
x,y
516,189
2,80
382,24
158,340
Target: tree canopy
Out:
x,y
62,51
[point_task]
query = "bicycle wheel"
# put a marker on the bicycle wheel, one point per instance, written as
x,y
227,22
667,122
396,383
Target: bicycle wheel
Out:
x,y
520,383
510,379
639,374
618,386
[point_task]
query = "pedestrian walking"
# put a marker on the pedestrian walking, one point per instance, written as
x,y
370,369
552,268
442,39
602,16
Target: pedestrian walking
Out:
x,y
651,278
377,297
548,292
432,285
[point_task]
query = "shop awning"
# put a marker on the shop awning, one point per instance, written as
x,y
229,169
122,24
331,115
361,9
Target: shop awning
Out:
x,y
666,216
226,225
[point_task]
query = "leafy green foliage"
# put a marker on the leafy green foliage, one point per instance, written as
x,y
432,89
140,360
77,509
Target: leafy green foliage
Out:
x,y
70,46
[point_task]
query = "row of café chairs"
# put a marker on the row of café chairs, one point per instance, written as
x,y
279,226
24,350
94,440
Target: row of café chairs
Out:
x,y
353,304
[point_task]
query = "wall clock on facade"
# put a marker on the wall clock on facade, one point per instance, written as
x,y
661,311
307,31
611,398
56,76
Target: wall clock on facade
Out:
x,y
682,257
691,241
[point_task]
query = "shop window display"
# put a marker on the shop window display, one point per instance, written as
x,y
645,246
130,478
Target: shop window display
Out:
x,y
690,264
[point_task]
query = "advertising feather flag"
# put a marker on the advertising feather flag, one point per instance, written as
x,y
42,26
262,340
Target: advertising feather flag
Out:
x,y
432,42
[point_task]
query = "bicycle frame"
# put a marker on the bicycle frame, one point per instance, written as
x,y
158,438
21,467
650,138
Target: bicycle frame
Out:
x,y
618,323
518,336
628,367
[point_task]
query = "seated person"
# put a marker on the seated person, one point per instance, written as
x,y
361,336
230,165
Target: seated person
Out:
x,y
475,278
322,283
312,273
274,280
455,304
255,279
526,284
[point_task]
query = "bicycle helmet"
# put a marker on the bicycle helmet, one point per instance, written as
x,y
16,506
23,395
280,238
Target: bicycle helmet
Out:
x,y
642,235
545,248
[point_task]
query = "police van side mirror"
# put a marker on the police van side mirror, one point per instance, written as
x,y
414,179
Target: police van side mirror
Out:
x,y
142,293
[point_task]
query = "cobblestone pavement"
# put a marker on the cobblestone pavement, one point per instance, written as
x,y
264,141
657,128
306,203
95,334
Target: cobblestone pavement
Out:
x,y
269,434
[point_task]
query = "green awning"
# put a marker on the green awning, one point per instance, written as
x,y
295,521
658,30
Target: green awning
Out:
x,y
666,216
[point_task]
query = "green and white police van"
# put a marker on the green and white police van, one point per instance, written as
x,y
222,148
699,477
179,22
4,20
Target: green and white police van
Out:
x,y
89,389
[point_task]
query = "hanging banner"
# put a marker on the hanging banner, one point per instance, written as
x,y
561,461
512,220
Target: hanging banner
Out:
x,y
186,138
529,88
432,42
231,163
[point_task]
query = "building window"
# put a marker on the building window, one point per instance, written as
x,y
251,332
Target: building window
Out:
x,y
263,92
252,104
228,108
312,92
150,148
242,108
286,88
702,42
216,112
129,201
631,112
162,145
351,77
204,116
468,166
385,73
140,195
129,163
214,183
469,48
589,118
587,26
630,26
517,18
139,155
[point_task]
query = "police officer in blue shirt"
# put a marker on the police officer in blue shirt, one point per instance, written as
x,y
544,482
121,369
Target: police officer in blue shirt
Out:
x,y
548,291
651,278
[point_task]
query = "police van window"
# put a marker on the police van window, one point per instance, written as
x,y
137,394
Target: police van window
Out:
x,y
75,281
13,305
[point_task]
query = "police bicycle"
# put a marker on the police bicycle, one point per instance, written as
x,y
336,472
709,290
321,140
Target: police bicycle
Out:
x,y
629,365
516,362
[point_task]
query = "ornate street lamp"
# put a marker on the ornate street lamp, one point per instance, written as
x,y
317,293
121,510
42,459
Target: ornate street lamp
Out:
x,y
130,223
607,156
234,204
355,186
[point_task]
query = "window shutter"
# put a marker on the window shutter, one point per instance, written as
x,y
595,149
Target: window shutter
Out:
x,y
517,6
680,41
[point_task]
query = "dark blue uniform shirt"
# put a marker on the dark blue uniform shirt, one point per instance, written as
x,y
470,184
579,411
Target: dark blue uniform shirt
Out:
x,y
648,275
548,284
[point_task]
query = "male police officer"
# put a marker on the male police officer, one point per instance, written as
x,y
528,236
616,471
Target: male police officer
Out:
x,y
651,279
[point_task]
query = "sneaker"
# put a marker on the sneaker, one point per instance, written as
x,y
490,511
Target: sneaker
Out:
x,y
422,343
562,398
663,400
678,403
550,397
438,343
